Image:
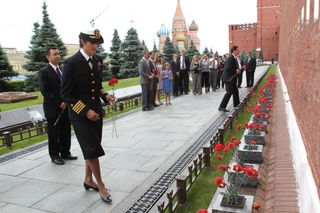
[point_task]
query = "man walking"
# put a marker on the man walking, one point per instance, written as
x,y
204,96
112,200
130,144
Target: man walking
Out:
x,y
59,131
229,76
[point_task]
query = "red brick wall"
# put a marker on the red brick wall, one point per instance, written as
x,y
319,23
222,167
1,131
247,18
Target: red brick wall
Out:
x,y
244,36
265,34
299,60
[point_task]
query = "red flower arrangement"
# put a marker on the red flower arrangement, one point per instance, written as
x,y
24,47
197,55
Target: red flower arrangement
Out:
x,y
234,138
256,206
202,211
220,182
112,82
218,147
222,167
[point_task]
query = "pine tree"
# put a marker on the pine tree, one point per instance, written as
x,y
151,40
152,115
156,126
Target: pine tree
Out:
x,y
155,49
210,53
261,55
132,52
6,71
43,38
177,50
243,57
253,54
205,51
143,45
115,54
168,50
192,50
102,55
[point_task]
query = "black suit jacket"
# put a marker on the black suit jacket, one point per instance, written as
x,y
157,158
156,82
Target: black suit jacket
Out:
x,y
50,83
175,67
251,65
81,86
187,61
230,69
154,70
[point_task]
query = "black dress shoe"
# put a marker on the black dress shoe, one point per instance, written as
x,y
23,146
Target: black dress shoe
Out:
x,y
224,110
69,157
87,187
57,161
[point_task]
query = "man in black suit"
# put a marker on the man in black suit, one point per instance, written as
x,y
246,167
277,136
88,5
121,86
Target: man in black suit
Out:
x,y
176,75
59,133
184,65
154,81
251,68
229,76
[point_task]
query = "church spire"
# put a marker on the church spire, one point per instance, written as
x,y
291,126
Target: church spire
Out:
x,y
178,10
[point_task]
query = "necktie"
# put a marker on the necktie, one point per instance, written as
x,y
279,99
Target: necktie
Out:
x,y
58,73
90,62
183,63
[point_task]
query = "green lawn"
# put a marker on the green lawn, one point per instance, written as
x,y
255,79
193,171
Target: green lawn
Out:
x,y
122,84
201,193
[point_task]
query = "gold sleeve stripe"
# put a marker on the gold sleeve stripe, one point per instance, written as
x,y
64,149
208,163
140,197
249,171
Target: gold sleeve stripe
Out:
x,y
78,107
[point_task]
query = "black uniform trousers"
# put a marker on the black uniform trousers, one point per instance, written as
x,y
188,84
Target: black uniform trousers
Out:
x,y
184,77
176,86
59,136
251,79
232,90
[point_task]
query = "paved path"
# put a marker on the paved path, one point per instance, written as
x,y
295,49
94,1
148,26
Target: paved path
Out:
x,y
148,143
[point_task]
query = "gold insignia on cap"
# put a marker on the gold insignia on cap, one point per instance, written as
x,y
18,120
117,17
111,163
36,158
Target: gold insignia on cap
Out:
x,y
96,34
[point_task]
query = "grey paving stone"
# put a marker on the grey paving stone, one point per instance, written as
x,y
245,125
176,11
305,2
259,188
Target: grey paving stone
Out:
x,y
126,162
8,182
124,181
10,208
68,199
18,166
29,193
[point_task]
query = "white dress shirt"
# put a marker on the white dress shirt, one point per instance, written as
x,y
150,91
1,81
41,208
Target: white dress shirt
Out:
x,y
86,57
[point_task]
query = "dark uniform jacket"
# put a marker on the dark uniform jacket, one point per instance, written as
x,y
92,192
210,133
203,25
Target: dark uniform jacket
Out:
x,y
50,83
230,68
81,86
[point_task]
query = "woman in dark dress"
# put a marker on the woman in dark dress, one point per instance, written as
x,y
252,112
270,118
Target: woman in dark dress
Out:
x,y
81,89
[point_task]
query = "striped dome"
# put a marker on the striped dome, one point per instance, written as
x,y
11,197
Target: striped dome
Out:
x,y
164,31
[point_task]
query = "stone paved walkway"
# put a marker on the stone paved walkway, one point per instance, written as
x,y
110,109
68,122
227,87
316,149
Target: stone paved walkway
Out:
x,y
148,143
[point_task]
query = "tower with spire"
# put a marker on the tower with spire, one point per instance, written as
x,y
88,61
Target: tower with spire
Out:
x,y
181,34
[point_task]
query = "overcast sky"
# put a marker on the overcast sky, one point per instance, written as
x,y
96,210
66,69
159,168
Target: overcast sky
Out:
x,y
71,16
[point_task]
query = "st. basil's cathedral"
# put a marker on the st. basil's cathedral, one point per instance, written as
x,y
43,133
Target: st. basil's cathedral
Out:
x,y
181,35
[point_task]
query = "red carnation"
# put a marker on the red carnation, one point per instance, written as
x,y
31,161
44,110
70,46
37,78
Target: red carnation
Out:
x,y
222,167
220,182
237,143
218,147
253,143
219,157
230,145
226,150
256,206
234,138
202,211
237,168
239,127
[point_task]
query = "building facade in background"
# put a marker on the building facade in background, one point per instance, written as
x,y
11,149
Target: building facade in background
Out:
x,y
262,36
181,34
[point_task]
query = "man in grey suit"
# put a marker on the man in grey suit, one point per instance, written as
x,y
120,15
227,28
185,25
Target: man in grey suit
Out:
x,y
145,80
